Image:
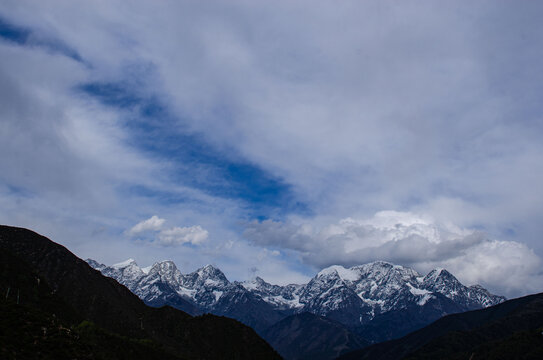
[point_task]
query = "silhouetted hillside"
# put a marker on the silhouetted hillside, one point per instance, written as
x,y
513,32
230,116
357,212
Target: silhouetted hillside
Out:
x,y
309,336
57,290
511,330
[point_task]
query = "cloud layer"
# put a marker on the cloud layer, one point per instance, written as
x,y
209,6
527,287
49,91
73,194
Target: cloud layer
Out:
x,y
405,238
306,116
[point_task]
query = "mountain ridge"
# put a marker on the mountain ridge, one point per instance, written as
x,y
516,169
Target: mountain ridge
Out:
x,y
360,297
369,282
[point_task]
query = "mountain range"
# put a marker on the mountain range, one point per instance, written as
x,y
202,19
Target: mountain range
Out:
x,y
371,303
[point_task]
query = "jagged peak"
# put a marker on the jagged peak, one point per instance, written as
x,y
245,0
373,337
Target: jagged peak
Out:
x,y
379,263
256,280
439,273
94,264
440,276
253,283
380,268
124,264
340,271
209,267
210,271
162,267
367,267
169,262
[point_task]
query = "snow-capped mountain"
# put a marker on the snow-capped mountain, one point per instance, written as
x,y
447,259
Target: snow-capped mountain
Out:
x,y
204,290
353,297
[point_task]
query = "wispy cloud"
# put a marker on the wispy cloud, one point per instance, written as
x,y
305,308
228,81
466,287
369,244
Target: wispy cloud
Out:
x,y
195,162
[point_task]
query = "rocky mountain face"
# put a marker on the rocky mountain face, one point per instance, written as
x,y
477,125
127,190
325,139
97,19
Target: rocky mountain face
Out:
x,y
360,298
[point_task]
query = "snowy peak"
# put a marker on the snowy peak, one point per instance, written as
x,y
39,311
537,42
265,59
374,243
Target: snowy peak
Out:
x,y
382,271
439,273
123,264
483,296
256,284
339,272
127,272
211,272
128,269
282,297
473,297
442,281
207,276
164,271
165,268
95,264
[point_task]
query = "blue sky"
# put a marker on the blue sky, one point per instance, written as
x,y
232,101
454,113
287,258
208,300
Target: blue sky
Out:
x,y
279,138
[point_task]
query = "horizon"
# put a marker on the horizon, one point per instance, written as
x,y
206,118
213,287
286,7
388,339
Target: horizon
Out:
x,y
278,139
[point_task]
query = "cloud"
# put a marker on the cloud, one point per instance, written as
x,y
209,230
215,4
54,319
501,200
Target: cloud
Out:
x,y
154,223
174,236
182,235
506,267
346,110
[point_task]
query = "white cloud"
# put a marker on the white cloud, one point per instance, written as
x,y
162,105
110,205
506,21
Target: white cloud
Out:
x,y
506,267
182,235
509,267
154,223
172,236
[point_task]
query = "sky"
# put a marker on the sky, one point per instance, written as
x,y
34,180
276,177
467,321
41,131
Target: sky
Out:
x,y
274,139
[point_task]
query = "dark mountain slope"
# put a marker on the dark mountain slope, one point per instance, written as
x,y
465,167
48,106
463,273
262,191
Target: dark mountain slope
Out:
x,y
36,323
114,308
248,308
510,329
171,298
309,336
397,323
473,332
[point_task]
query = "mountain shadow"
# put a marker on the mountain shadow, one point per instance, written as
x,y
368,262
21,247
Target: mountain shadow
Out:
x,y
309,336
510,330
397,323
